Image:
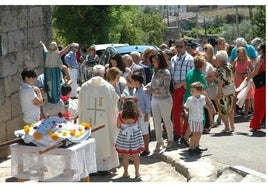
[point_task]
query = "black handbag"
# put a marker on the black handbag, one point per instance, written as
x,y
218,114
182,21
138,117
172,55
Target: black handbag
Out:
x,y
259,79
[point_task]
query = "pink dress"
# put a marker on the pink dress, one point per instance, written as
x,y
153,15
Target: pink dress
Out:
x,y
240,74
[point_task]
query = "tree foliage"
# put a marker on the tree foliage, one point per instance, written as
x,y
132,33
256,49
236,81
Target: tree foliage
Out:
x,y
106,24
259,21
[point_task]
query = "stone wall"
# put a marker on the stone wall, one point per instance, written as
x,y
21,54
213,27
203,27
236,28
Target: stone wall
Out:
x,y
21,29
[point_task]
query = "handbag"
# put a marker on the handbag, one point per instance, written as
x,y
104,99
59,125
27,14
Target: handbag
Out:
x,y
228,89
259,79
212,91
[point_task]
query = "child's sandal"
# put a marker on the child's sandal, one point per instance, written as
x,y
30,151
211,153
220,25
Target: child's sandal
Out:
x,y
126,175
138,175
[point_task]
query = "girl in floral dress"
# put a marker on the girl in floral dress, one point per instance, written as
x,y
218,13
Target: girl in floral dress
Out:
x,y
129,140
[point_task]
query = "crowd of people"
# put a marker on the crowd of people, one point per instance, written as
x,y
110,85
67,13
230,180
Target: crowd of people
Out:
x,y
181,87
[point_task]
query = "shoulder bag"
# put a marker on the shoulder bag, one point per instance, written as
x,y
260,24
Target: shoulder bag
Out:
x,y
212,91
228,89
259,79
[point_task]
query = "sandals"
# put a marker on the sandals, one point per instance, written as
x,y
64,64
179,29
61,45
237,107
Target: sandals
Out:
x,y
126,175
137,175
225,131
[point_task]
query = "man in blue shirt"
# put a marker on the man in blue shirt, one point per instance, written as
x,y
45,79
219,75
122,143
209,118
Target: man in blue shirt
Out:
x,y
71,62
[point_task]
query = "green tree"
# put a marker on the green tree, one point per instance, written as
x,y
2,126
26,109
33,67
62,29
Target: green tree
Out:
x,y
128,29
259,22
83,24
106,24
153,27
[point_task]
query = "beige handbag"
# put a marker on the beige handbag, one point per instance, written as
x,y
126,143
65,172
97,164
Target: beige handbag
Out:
x,y
228,89
212,91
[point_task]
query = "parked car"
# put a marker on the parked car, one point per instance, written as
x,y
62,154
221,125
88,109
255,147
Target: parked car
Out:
x,y
101,47
104,59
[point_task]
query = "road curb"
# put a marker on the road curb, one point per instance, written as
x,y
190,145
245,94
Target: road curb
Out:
x,y
204,169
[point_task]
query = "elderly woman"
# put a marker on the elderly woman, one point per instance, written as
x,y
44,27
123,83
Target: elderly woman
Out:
x,y
225,74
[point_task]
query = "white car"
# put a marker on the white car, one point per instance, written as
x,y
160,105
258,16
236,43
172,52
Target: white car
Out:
x,y
101,47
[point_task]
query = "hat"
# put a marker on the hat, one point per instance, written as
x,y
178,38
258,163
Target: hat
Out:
x,y
53,46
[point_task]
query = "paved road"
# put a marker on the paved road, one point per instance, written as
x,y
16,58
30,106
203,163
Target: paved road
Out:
x,y
242,148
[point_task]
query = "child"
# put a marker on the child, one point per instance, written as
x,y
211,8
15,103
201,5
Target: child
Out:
x,y
71,105
194,109
144,103
129,140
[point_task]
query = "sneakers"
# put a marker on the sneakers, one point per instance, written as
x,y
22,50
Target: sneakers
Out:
x,y
201,148
196,151
193,152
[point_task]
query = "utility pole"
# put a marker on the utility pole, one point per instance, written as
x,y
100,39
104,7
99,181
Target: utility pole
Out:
x,y
197,36
236,19
251,20
205,25
178,20
167,17
167,14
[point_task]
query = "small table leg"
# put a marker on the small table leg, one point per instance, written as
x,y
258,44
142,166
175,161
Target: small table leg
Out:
x,y
68,167
86,179
20,180
41,168
20,169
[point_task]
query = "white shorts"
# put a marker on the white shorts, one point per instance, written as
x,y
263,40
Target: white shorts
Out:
x,y
196,126
144,126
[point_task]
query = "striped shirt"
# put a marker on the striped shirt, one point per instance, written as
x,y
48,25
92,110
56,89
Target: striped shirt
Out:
x,y
180,66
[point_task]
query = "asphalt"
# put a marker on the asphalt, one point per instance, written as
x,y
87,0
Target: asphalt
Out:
x,y
215,165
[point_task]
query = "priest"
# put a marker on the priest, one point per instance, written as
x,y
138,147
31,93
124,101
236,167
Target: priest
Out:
x,y
97,103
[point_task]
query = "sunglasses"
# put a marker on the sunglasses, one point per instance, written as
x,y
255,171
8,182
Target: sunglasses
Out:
x,y
178,46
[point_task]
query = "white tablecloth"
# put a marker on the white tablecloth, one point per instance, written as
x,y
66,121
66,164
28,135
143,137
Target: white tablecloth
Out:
x,y
59,165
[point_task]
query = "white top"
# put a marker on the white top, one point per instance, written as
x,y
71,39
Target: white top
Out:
x,y
196,107
29,109
209,68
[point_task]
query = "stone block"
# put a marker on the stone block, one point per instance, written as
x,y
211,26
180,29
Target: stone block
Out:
x,y
5,109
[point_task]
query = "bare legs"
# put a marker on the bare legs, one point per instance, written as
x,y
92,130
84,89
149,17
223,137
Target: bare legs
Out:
x,y
125,160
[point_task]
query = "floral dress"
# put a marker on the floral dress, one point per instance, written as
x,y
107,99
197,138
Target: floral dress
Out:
x,y
129,139
226,73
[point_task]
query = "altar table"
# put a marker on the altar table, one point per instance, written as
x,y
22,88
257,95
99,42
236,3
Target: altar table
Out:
x,y
73,163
